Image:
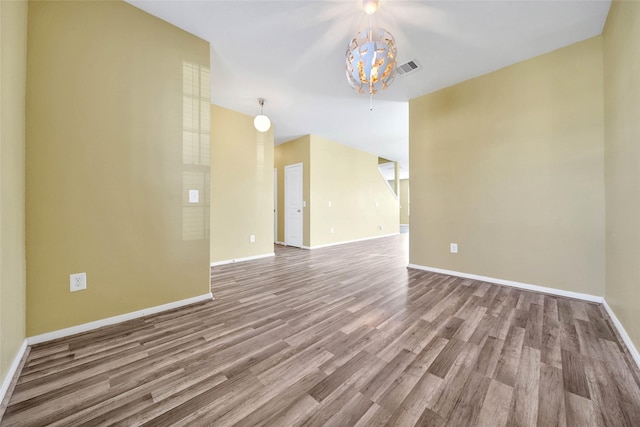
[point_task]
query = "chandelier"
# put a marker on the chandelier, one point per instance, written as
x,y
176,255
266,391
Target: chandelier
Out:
x,y
371,57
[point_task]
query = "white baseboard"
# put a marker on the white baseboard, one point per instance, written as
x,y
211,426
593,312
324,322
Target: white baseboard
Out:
x,y
520,285
249,258
11,373
60,333
349,241
623,333
553,291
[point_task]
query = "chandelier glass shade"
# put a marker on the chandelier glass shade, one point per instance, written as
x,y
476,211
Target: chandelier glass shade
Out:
x,y
371,60
261,122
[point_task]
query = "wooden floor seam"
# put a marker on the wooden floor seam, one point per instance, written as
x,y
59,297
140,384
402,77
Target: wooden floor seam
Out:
x,y
340,336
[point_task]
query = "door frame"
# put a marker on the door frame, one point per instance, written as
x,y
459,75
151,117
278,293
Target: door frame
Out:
x,y
286,225
275,205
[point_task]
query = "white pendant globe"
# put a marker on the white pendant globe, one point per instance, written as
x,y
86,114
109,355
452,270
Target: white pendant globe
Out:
x,y
262,123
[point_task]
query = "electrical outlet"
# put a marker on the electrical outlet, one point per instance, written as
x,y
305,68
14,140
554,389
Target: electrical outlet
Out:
x,y
252,238
453,247
381,227
77,282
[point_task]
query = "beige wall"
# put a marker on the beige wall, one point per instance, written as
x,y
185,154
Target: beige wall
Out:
x,y
509,165
622,162
289,153
241,186
13,62
344,176
404,201
361,201
117,132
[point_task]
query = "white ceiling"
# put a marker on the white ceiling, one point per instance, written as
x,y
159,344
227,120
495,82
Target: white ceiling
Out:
x,y
292,53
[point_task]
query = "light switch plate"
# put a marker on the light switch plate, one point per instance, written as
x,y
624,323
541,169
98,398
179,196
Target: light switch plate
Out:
x,y
194,196
453,247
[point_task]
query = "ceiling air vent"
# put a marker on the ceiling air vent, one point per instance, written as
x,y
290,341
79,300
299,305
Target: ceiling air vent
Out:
x,y
407,68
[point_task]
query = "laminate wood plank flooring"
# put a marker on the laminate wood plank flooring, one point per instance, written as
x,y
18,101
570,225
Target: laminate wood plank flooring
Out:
x,y
340,336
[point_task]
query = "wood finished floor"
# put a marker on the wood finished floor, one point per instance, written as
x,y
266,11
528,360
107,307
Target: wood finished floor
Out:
x,y
340,336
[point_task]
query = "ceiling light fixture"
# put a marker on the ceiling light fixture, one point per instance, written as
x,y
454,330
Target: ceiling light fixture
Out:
x,y
261,122
370,6
371,57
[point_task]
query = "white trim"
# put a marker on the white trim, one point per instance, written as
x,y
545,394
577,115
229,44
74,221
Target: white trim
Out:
x,y
527,286
553,291
61,333
623,333
349,241
286,178
11,373
275,205
248,258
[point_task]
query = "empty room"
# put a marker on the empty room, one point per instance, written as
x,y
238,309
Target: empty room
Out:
x,y
306,213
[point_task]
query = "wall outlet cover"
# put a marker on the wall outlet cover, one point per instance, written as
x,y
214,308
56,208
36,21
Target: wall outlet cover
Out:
x,y
77,282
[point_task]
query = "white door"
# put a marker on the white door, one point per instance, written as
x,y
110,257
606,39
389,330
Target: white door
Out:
x,y
275,206
293,205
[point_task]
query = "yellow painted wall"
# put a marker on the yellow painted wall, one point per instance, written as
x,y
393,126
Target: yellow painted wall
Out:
x,y
289,153
344,176
117,132
241,186
404,201
622,162
13,63
510,166
360,198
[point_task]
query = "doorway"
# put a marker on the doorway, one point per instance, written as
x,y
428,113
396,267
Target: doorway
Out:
x,y
293,205
275,205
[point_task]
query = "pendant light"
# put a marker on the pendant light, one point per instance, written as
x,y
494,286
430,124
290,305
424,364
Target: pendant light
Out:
x,y
261,122
371,56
